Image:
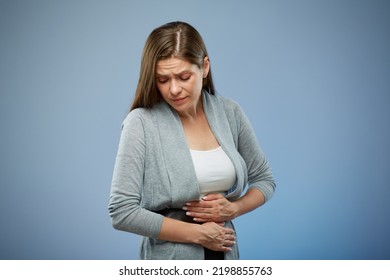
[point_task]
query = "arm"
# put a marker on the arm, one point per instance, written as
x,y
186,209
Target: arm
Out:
x,y
261,185
126,188
210,235
259,173
216,208
125,208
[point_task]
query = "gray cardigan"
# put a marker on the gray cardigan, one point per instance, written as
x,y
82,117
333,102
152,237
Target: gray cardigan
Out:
x,y
154,171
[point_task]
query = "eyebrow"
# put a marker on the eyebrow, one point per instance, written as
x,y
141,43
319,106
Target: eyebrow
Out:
x,y
176,74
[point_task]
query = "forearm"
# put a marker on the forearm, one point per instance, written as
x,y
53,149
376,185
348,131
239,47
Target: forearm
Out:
x,y
208,235
178,231
248,202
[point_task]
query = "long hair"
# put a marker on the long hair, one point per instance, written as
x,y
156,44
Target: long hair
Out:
x,y
174,39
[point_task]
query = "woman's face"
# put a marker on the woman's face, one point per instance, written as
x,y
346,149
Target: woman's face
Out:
x,y
180,83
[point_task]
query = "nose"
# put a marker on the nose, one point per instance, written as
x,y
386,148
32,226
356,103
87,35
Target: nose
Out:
x,y
174,87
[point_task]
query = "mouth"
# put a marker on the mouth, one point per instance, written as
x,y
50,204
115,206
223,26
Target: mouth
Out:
x,y
178,100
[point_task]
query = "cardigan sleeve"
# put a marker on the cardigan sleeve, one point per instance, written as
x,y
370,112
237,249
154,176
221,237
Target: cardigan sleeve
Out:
x,y
259,172
126,189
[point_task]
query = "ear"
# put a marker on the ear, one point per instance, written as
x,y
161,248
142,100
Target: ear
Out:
x,y
206,67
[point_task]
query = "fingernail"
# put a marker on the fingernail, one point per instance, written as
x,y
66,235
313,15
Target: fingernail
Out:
x,y
188,213
184,208
188,203
204,197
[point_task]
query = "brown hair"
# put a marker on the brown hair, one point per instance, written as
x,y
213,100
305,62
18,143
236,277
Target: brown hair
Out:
x,y
174,39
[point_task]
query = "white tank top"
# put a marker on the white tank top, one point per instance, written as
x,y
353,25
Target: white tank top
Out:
x,y
214,170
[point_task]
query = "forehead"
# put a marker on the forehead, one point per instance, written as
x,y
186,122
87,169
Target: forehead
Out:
x,y
173,66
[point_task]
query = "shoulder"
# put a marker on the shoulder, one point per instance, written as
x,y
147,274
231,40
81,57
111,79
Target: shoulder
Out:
x,y
138,115
219,100
136,121
228,105
148,119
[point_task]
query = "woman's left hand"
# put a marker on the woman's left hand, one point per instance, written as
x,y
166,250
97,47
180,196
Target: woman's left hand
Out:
x,y
211,208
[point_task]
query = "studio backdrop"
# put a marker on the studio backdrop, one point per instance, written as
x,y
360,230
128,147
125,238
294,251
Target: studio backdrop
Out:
x,y
312,77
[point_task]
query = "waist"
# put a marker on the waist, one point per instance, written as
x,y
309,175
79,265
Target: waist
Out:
x,y
177,214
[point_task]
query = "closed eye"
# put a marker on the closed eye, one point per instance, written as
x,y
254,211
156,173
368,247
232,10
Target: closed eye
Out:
x,y
162,80
185,77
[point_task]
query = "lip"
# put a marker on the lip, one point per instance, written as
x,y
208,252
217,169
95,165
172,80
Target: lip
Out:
x,y
178,100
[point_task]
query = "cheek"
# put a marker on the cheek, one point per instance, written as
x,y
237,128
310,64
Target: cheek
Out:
x,y
162,89
199,80
194,85
198,85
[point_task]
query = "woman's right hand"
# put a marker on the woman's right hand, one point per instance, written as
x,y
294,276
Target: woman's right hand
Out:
x,y
216,237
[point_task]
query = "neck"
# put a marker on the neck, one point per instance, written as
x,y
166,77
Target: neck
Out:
x,y
194,113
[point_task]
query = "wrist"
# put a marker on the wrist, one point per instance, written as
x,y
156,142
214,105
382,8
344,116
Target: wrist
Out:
x,y
194,234
235,209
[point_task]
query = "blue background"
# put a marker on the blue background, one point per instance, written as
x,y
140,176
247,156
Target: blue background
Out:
x,y
312,76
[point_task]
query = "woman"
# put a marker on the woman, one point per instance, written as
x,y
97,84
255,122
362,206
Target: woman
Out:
x,y
185,156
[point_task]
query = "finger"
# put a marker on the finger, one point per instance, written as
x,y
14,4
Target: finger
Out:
x,y
200,204
212,196
230,237
226,248
201,218
197,203
229,240
229,243
198,215
211,216
192,203
196,209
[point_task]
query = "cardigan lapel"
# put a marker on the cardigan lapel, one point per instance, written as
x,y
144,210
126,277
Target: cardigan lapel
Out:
x,y
177,158
220,126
